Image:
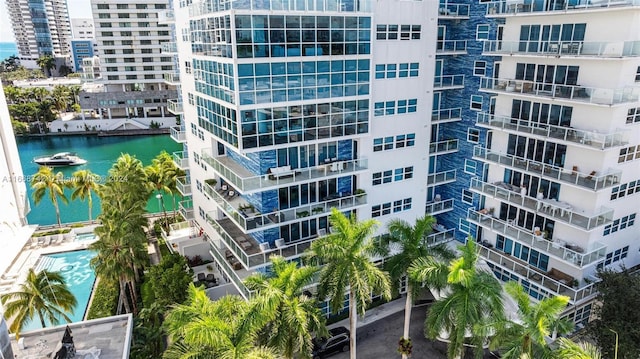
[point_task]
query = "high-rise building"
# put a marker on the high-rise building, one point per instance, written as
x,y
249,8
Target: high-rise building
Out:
x,y
292,108
40,27
82,29
137,78
554,197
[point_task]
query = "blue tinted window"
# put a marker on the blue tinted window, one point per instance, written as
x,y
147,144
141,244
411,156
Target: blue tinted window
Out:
x,y
245,70
337,65
324,66
293,68
263,69
278,68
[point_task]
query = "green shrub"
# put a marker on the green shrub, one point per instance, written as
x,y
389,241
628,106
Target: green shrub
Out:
x,y
105,299
53,232
76,225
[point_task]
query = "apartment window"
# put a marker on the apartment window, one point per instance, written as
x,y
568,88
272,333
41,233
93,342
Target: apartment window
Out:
x,y
147,59
386,32
122,6
401,174
615,256
464,226
467,196
165,59
125,24
127,42
166,67
112,69
109,60
143,24
141,6
625,189
145,42
388,108
638,74
163,33
406,106
142,16
619,224
160,6
395,206
147,51
382,177
482,32
149,77
127,51
103,6
125,33
107,33
113,77
629,154
473,135
123,16
407,140
144,33
108,43
479,68
105,24
130,68
470,166
409,32
109,52
633,115
476,102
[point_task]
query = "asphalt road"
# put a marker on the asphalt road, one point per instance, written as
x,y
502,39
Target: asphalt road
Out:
x,y
379,340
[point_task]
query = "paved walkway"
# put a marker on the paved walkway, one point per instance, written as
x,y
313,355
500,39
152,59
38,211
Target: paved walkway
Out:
x,y
377,313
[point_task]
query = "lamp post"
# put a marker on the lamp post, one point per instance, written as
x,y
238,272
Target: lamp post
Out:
x,y
615,355
161,205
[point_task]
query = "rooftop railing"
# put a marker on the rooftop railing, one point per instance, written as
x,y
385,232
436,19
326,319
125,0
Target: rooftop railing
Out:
x,y
563,48
597,96
542,7
347,6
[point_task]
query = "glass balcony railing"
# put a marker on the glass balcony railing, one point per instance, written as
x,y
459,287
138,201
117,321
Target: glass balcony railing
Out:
x,y
592,139
447,115
558,210
178,135
455,47
441,237
592,181
174,106
438,207
240,178
537,277
598,96
614,49
454,11
185,208
166,17
169,48
443,147
181,159
544,7
215,251
448,82
183,184
438,178
171,78
250,219
331,6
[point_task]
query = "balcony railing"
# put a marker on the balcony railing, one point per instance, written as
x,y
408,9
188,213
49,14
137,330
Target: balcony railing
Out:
x,y
453,47
597,96
254,256
614,49
447,115
174,106
252,220
185,208
592,181
166,17
181,159
454,11
183,184
227,269
240,178
448,82
559,211
169,48
537,277
438,207
171,78
592,139
543,7
178,135
441,237
443,147
438,178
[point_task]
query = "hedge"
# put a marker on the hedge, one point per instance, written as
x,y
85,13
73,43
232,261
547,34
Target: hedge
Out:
x,y
105,299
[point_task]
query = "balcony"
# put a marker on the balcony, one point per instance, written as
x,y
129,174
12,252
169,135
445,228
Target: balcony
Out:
x,y
166,17
453,11
185,208
169,48
448,82
447,115
443,147
557,210
251,220
441,237
536,276
438,207
183,184
439,178
216,251
451,47
570,135
247,250
579,94
546,7
178,135
592,181
244,181
171,78
613,49
174,106
181,159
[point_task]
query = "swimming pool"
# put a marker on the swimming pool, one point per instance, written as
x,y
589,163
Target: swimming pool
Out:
x,y
76,269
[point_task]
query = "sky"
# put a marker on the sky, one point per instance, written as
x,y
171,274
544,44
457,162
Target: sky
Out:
x,y
77,9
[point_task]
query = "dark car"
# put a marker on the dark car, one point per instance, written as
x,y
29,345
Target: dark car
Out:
x,y
338,341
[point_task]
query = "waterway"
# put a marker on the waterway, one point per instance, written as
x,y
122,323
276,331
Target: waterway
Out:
x,y
100,153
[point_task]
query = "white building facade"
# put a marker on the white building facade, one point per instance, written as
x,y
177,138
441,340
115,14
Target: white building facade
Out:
x,y
285,117
82,28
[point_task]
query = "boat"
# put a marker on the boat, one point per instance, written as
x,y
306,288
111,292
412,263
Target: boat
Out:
x,y
60,159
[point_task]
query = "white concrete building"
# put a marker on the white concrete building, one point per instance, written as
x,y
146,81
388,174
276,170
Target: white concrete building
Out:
x,y
286,109
40,27
82,28
561,178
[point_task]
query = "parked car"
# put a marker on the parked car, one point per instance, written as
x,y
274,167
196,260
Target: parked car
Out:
x,y
338,341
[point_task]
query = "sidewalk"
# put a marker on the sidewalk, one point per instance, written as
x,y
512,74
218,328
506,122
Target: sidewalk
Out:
x,y
375,314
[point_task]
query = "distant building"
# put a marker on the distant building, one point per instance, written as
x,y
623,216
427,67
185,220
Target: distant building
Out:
x,y
81,49
82,28
90,69
40,27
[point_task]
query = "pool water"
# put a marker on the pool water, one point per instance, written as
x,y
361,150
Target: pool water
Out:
x,y
85,237
76,269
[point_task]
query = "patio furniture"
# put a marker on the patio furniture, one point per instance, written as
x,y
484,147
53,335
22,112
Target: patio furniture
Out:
x,y
211,278
201,277
591,175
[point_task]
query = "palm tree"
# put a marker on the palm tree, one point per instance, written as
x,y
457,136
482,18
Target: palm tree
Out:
x,y
83,183
61,96
471,299
536,321
44,294
157,178
406,244
569,349
346,254
227,328
46,63
293,315
128,179
46,182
